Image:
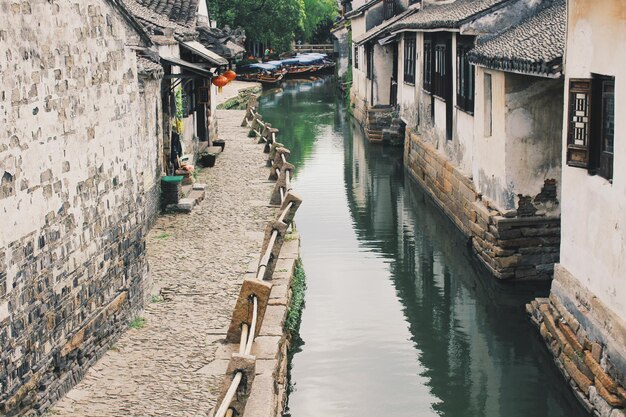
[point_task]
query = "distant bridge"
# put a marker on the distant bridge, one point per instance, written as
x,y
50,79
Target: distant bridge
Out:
x,y
320,48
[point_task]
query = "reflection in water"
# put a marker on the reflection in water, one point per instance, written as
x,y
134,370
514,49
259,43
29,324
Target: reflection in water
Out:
x,y
399,321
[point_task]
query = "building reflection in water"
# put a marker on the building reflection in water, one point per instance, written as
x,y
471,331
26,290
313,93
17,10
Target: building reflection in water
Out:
x,y
399,320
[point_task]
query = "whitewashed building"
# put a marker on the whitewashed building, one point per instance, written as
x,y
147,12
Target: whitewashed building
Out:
x,y
584,319
479,87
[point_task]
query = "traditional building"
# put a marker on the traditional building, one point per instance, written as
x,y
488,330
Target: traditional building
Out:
x,y
478,85
189,67
374,74
79,169
583,320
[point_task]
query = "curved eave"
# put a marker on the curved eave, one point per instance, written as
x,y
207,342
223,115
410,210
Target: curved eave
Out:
x,y
551,69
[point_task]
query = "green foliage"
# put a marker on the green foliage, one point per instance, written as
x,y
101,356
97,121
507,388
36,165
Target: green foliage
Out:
x,y
275,22
137,323
318,19
179,103
156,299
298,287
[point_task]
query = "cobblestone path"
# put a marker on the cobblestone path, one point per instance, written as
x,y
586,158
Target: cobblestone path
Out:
x,y
197,261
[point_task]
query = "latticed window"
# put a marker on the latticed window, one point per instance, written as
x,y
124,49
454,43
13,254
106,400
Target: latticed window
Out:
x,y
591,130
428,62
439,76
409,58
390,9
370,61
465,75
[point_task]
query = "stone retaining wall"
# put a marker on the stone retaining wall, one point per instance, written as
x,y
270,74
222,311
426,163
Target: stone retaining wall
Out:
x,y
269,390
72,246
583,337
510,245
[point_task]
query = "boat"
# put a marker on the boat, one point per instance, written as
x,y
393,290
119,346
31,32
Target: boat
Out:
x,y
261,72
271,72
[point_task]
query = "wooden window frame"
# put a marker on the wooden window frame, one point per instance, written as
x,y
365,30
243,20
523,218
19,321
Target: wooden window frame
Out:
x,y
369,52
410,56
389,9
591,102
488,104
428,63
439,69
465,75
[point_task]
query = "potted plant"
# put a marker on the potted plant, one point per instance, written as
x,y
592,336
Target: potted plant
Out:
x,y
207,159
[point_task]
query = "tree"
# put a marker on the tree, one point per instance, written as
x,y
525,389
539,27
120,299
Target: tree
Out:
x,y
274,22
318,19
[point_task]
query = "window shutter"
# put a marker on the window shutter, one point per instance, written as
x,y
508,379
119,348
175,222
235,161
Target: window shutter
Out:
x,y
428,57
203,95
579,122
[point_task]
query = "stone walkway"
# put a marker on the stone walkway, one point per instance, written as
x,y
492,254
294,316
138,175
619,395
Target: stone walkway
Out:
x,y
197,261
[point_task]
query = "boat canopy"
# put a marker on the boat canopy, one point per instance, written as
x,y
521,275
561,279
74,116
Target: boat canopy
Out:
x,y
266,66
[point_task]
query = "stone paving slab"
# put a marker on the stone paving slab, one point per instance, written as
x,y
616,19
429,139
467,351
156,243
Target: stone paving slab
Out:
x,y
197,261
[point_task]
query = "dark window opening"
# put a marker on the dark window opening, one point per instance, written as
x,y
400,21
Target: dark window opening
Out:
x,y
390,9
439,70
437,64
591,130
356,56
409,58
465,75
428,59
370,62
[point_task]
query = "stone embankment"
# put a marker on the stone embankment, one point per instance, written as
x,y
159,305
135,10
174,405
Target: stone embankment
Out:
x,y
520,244
173,360
584,350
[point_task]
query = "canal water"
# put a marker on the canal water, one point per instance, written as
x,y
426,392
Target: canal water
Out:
x,y
399,320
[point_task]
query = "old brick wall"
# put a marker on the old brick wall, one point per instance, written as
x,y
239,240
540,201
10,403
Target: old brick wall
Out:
x,y
587,342
520,246
72,247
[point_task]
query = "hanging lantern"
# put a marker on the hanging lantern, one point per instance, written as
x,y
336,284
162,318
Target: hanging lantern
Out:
x,y
230,74
220,81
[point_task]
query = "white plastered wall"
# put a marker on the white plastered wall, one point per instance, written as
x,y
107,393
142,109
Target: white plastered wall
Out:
x,y
593,244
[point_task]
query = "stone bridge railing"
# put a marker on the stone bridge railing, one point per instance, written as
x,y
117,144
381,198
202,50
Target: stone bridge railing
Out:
x,y
320,48
254,295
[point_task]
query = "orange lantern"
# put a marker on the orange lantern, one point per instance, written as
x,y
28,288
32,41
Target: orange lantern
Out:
x,y
230,74
220,81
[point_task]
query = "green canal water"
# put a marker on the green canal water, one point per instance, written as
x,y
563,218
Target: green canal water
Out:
x,y
399,320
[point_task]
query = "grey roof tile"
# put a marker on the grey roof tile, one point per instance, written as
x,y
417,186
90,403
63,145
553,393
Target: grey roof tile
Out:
x,y
149,68
359,10
535,46
449,15
155,16
383,27
182,12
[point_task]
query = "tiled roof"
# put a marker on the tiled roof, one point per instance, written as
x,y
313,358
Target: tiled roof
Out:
x,y
156,22
449,15
383,27
182,12
148,67
220,42
131,20
534,46
359,10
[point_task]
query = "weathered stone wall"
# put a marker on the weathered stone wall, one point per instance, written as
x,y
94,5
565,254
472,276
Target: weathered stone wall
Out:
x,y
72,250
513,245
587,342
151,161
